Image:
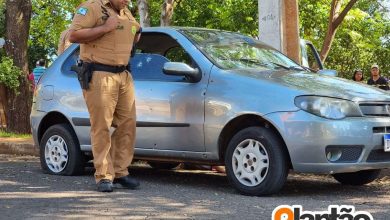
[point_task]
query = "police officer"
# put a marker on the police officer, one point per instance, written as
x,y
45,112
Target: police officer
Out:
x,y
106,31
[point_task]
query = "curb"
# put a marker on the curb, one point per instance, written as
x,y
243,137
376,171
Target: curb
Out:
x,y
20,146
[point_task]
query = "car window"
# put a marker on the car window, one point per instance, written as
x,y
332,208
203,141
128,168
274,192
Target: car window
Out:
x,y
178,54
69,62
311,59
145,67
153,51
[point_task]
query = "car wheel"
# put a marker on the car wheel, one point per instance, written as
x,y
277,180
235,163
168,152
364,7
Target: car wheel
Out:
x,y
60,153
163,165
256,162
357,178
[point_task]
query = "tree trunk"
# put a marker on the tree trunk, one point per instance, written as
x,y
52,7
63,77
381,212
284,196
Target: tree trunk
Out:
x,y
143,10
335,19
290,32
4,106
18,15
166,12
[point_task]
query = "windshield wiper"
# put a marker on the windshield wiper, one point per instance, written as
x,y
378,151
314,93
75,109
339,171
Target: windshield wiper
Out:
x,y
296,68
265,64
281,65
288,67
253,61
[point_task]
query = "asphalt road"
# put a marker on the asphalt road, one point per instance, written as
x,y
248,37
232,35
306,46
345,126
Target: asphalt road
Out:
x,y
27,193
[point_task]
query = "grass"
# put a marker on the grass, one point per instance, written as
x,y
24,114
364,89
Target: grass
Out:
x,y
5,134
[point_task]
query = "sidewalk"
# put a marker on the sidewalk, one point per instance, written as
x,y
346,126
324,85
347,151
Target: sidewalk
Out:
x,y
23,146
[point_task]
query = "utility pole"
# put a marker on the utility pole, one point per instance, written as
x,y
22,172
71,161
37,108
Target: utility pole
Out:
x,y
278,26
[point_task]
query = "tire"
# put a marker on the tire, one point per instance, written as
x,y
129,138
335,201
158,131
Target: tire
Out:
x,y
256,162
163,165
60,152
357,178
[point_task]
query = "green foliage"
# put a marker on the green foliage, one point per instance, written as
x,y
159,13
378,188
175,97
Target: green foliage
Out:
x,y
155,12
9,74
233,15
361,40
5,134
49,19
2,18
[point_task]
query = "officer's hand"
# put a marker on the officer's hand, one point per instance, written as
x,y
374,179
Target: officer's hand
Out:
x,y
111,23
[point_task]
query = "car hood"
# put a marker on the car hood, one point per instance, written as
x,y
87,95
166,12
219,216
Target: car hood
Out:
x,y
305,83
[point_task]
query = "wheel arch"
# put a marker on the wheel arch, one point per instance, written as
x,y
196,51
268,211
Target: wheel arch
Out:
x,y
51,119
242,122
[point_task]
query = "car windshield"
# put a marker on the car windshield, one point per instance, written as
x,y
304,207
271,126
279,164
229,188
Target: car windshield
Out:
x,y
230,50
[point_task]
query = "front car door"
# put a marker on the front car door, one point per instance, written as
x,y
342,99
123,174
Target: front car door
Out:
x,y
170,109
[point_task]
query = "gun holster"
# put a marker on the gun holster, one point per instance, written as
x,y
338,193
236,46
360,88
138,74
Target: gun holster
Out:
x,y
133,50
84,73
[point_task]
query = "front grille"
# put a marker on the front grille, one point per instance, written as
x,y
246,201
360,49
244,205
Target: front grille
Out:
x,y
375,109
383,130
379,155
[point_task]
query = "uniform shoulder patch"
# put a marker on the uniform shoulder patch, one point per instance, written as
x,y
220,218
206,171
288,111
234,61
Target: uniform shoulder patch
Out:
x,y
82,11
133,30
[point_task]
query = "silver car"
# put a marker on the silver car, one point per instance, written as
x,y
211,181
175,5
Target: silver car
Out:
x,y
221,98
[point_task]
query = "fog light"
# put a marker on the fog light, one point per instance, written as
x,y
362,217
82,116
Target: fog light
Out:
x,y
334,155
343,153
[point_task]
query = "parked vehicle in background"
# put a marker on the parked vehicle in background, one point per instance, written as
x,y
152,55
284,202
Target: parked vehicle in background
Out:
x,y
222,98
311,59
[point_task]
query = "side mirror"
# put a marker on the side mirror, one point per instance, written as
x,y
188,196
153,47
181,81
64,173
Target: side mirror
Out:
x,y
328,72
182,69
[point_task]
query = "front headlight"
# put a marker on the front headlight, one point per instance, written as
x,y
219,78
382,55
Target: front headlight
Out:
x,y
326,107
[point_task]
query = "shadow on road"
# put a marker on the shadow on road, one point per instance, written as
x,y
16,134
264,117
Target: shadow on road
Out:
x,y
25,192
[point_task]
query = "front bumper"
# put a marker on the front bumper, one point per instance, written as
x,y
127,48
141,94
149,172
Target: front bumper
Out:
x,y
307,136
35,119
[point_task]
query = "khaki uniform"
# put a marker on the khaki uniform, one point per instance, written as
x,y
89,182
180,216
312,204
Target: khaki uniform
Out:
x,y
64,42
110,98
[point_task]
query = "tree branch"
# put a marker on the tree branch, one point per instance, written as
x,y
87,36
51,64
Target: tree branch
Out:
x,y
333,9
342,15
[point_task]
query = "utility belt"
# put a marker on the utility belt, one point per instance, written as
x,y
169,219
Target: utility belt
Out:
x,y
85,71
108,68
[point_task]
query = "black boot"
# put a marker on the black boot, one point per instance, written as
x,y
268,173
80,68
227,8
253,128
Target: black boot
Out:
x,y
104,185
127,182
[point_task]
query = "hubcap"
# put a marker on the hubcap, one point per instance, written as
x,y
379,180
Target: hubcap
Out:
x,y
250,162
56,153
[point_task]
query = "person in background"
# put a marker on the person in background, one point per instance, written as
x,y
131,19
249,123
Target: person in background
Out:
x,y
376,79
30,78
358,75
39,70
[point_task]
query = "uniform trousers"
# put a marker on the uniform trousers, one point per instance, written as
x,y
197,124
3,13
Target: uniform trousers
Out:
x,y
111,103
